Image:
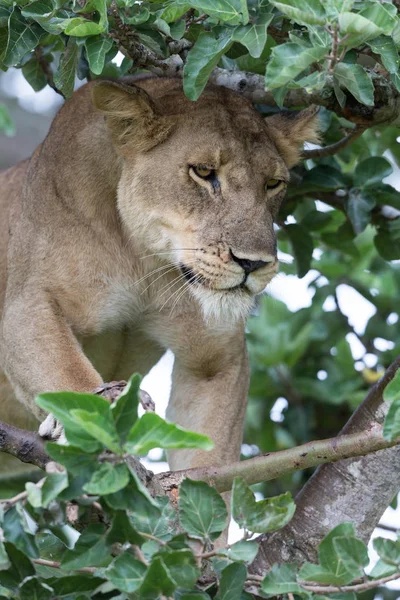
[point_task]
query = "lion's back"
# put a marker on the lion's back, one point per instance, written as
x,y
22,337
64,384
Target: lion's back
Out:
x,y
11,182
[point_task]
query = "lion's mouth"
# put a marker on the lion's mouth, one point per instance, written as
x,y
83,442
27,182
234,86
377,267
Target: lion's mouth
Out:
x,y
196,279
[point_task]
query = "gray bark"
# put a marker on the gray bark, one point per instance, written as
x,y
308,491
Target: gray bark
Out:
x,y
356,490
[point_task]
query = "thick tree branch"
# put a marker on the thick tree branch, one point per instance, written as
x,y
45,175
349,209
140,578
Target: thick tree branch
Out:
x,y
25,445
357,490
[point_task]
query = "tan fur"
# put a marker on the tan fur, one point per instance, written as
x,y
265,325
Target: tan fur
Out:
x,y
100,220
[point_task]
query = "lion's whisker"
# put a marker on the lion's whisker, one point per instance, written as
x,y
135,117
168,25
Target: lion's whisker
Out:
x,y
153,272
173,268
168,252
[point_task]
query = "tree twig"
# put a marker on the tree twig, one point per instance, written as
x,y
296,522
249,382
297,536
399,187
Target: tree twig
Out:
x,y
270,466
57,565
359,587
336,147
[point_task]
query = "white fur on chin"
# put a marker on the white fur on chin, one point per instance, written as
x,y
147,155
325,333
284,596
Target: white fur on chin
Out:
x,y
221,307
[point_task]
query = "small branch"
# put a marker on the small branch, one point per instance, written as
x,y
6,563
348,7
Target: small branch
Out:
x,y
270,466
390,528
9,502
359,587
57,565
25,445
336,147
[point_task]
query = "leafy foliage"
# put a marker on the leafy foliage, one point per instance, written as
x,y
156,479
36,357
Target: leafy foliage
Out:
x,y
124,543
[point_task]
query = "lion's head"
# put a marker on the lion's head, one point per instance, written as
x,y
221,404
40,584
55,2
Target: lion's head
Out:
x,y
203,181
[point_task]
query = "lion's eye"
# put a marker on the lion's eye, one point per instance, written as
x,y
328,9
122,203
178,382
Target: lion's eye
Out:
x,y
272,184
203,172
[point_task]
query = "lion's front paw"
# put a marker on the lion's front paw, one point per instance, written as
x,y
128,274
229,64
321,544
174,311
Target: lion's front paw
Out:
x,y
51,429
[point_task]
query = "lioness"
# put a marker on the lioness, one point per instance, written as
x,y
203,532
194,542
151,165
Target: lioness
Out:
x,y
143,222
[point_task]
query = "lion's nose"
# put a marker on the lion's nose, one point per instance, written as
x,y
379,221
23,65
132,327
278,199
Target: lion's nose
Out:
x,y
249,265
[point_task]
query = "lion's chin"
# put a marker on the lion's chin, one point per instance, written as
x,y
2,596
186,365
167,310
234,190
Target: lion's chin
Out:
x,y
222,307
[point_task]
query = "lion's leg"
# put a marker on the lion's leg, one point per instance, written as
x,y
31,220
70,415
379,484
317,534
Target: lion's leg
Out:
x,y
40,353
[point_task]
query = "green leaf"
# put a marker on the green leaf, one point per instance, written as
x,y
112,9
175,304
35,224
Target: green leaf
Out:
x,y
383,15
288,61
5,12
64,80
232,582
100,427
91,550
310,572
341,556
355,79
182,567
21,567
40,9
263,516
151,431
386,47
125,410
34,74
388,550
107,479
357,29
282,579
202,510
75,584
80,27
96,49
126,573
174,10
358,208
302,246
157,581
305,12
243,551
382,569
371,171
15,531
392,390
391,426
387,245
231,12
352,552
74,459
202,59
22,38
157,521
61,405
254,35
4,560
55,483
7,126
121,531
33,589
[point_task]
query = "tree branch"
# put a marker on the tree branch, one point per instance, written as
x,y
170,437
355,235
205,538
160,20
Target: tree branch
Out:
x,y
336,147
28,446
339,492
276,464
254,470
358,587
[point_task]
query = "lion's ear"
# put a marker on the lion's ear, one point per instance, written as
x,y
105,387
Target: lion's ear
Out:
x,y
131,115
290,129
